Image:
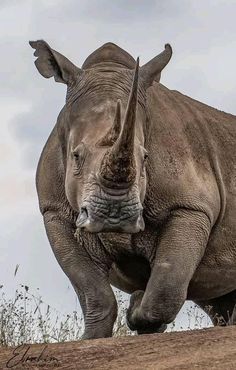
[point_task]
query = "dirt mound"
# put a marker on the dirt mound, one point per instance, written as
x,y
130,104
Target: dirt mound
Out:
x,y
213,348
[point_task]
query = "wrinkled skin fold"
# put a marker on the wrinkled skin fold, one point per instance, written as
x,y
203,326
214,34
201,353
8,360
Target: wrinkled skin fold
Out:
x,y
137,188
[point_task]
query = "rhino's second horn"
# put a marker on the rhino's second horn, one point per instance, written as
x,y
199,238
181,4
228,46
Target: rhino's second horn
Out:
x,y
112,135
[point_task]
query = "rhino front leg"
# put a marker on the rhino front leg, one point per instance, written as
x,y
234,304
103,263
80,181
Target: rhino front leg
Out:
x,y
180,249
88,276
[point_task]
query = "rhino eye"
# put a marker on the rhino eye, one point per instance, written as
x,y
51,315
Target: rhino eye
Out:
x,y
76,156
79,152
145,157
79,157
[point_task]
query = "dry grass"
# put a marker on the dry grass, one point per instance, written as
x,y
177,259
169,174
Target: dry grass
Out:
x,y
25,318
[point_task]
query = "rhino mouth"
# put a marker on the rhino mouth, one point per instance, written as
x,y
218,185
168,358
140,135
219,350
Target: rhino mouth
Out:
x,y
96,221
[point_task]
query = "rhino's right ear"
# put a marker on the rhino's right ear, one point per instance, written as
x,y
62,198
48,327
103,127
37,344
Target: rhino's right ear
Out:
x,y
151,71
50,63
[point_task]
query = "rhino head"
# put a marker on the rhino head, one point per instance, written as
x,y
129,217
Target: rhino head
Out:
x,y
101,130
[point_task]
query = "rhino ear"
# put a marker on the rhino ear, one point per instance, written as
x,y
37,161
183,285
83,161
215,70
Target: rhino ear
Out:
x,y
151,71
50,63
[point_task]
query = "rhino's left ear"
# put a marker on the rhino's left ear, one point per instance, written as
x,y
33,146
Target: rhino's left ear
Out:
x,y
50,63
152,70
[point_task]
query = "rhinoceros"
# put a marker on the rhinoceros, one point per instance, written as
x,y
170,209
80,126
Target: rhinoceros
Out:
x,y
137,188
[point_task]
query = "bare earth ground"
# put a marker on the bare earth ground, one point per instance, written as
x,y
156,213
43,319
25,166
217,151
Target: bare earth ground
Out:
x,y
213,348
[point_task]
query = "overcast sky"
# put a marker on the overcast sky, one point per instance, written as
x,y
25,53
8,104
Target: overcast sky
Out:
x,y
203,36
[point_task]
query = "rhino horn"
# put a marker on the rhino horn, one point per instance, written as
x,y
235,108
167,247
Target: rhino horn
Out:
x,y
151,70
113,133
118,166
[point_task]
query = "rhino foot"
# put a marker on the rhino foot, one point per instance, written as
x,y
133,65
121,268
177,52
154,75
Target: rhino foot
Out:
x,y
139,321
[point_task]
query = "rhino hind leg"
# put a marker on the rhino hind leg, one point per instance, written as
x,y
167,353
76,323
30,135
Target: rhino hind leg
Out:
x,y
221,310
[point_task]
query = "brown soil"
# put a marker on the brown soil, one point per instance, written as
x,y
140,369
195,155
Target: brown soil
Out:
x,y
201,349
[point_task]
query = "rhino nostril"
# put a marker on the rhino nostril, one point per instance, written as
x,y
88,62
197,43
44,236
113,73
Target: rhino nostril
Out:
x,y
84,211
83,217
